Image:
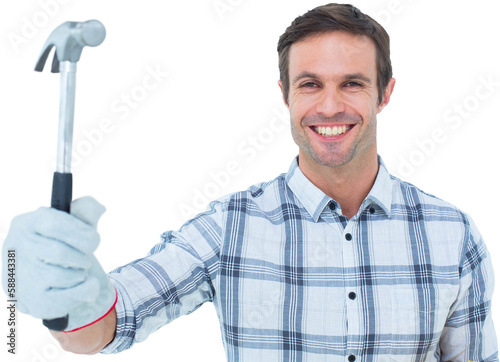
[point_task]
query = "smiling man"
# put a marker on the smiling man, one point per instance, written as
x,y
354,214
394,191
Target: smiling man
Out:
x,y
335,260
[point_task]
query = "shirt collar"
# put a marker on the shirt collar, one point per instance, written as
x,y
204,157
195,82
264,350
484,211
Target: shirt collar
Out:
x,y
314,200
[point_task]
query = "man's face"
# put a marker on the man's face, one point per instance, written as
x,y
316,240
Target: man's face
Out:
x,y
333,98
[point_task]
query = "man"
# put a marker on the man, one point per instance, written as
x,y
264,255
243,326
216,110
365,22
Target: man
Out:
x,y
334,260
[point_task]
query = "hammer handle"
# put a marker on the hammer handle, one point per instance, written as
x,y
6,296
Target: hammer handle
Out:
x,y
62,192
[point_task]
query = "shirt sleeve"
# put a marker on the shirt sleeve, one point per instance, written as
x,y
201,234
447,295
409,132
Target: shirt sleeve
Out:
x,y
469,334
174,279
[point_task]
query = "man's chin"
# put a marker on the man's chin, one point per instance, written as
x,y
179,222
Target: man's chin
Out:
x,y
329,160
332,163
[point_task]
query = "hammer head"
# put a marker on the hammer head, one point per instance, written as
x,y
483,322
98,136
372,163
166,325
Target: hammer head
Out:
x,y
69,39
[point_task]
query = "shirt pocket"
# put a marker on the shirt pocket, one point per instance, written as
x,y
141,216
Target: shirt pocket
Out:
x,y
418,316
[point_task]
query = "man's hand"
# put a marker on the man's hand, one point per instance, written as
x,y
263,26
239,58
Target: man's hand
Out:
x,y
57,272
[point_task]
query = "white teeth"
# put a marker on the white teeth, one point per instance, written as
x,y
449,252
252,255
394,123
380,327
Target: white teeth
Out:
x,y
331,131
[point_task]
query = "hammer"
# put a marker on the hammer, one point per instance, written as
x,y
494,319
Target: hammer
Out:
x,y
68,39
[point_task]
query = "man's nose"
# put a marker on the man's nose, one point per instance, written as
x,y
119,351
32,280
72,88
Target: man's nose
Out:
x,y
330,102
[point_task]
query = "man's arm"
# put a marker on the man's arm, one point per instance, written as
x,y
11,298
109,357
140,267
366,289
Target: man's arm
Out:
x,y
469,334
91,339
175,278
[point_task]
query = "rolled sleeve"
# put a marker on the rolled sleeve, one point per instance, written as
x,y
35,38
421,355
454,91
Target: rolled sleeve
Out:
x,y
125,325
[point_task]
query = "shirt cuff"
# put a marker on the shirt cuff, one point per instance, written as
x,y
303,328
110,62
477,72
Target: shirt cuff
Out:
x,y
125,331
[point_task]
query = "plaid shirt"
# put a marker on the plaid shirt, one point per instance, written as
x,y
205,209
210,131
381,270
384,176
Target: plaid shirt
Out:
x,y
408,278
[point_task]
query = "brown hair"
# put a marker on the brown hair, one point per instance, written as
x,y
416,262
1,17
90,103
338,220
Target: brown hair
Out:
x,y
335,17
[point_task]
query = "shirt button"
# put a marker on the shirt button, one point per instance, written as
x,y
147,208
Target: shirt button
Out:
x,y
372,210
352,295
331,206
352,358
348,237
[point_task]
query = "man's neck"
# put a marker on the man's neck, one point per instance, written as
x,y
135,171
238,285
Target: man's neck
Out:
x,y
348,184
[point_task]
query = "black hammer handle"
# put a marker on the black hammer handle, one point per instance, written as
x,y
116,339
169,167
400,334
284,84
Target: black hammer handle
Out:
x,y
62,191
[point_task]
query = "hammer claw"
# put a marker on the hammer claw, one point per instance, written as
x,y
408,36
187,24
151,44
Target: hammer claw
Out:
x,y
43,58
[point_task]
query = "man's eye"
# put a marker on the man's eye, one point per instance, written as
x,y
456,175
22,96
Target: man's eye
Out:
x,y
308,85
352,84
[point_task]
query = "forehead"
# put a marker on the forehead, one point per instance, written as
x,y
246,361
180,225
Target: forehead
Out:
x,y
333,53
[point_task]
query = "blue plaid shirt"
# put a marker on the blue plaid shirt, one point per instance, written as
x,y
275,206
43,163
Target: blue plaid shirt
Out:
x,y
408,278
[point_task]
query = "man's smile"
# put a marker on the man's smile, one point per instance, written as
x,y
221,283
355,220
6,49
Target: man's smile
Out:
x,y
332,131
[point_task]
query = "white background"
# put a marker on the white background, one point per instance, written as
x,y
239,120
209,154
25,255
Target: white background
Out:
x,y
221,89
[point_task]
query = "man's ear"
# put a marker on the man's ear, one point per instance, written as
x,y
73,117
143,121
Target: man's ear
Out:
x,y
387,95
282,94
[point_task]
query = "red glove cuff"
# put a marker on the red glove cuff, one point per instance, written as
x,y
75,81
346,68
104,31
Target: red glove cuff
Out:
x,y
109,311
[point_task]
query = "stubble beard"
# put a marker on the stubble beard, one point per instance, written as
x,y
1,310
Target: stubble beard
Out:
x,y
329,159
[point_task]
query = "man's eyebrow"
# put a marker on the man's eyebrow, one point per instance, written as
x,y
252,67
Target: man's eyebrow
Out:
x,y
348,77
304,75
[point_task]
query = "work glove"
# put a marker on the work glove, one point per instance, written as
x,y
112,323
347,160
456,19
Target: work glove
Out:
x,y
56,272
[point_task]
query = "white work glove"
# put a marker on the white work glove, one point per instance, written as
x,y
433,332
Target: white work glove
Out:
x,y
56,272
